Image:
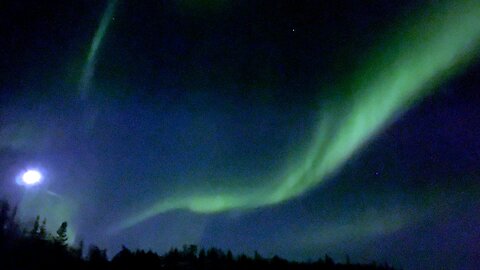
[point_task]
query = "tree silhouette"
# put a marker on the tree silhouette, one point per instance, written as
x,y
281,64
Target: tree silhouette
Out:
x,y
12,225
4,209
329,261
35,230
43,230
37,250
80,249
97,257
62,237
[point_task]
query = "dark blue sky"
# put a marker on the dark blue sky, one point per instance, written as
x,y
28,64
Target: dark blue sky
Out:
x,y
191,98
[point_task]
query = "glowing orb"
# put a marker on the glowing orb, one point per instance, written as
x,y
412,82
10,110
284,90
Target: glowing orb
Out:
x,y
31,177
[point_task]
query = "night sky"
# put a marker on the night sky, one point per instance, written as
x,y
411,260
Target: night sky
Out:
x,y
295,128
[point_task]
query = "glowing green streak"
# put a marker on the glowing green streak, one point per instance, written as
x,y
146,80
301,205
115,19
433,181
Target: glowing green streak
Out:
x,y
420,55
89,68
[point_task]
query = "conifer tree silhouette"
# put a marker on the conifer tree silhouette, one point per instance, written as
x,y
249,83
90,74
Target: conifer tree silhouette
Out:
x,y
43,229
61,237
35,230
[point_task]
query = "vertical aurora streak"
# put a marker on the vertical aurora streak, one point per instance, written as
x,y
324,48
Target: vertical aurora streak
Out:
x,y
422,52
89,68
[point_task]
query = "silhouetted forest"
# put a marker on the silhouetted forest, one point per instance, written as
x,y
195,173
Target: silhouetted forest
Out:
x,y
36,248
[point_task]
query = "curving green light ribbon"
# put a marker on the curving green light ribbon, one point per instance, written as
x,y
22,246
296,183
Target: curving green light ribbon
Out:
x,y
423,52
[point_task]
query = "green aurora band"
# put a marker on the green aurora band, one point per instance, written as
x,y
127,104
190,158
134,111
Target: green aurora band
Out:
x,y
422,52
89,69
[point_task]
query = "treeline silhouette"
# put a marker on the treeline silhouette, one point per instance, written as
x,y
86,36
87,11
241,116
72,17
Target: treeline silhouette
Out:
x,y
36,248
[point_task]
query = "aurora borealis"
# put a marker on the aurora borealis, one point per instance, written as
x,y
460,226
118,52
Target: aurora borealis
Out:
x,y
162,123
436,46
89,69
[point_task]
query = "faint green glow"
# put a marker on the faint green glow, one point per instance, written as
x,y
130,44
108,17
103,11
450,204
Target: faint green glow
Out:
x,y
373,224
51,206
421,53
89,68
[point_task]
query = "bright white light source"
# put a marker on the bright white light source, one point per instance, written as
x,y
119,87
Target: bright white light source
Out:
x,y
31,177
